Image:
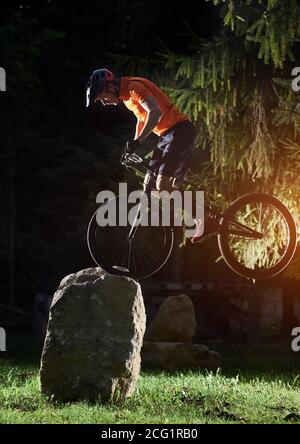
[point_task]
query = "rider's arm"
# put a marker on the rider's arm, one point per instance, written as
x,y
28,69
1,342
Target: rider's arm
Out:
x,y
138,129
153,115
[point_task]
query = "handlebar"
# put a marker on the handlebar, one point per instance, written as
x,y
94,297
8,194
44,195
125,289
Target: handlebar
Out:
x,y
130,159
138,163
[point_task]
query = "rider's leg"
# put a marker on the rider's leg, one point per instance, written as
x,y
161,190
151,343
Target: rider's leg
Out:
x,y
206,226
167,183
198,231
172,156
149,182
199,223
164,183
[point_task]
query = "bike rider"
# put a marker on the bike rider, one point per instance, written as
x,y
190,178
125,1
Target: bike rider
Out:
x,y
155,113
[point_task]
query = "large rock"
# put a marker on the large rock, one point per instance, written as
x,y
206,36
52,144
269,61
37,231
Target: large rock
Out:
x,y
171,356
175,321
94,338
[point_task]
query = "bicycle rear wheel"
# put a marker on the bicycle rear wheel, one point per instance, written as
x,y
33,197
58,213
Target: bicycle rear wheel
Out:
x,y
139,257
251,256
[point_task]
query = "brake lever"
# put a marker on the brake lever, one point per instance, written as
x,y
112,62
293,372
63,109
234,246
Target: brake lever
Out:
x,y
123,159
136,158
126,158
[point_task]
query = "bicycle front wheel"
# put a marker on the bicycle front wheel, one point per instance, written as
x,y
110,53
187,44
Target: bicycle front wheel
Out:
x,y
257,236
115,251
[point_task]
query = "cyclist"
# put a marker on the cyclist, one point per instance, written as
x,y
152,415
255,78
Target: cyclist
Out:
x,y
155,113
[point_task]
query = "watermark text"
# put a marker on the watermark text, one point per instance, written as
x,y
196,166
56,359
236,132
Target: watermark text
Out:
x,y
2,340
2,79
162,208
296,80
296,341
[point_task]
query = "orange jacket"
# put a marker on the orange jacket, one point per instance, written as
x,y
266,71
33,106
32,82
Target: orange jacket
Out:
x,y
134,90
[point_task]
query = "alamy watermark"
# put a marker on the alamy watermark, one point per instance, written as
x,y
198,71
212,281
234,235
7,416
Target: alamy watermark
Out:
x,y
2,340
2,79
296,80
296,341
163,208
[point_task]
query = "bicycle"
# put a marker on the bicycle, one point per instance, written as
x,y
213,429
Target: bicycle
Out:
x,y
256,234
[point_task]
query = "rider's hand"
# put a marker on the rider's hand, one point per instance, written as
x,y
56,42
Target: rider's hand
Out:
x,y
132,146
123,157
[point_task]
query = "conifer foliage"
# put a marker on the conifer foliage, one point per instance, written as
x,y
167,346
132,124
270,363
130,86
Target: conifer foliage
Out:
x,y
237,88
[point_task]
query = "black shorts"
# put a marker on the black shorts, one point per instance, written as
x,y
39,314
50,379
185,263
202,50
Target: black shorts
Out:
x,y
174,150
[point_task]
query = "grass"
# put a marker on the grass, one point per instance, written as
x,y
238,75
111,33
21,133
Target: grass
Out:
x,y
258,394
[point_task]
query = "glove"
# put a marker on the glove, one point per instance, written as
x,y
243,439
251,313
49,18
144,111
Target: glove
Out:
x,y
131,146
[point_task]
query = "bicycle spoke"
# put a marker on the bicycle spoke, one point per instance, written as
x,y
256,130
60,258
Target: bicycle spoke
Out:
x,y
138,257
249,249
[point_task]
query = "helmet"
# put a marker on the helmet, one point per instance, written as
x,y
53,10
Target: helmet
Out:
x,y
97,83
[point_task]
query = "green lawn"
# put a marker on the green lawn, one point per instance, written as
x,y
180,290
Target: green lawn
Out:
x,y
252,395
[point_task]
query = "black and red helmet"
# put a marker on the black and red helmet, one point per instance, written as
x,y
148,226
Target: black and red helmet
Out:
x,y
97,83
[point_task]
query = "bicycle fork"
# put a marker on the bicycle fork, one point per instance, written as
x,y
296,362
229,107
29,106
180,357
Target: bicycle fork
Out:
x,y
140,211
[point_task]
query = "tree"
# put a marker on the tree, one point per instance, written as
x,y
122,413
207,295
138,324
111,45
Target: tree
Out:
x,y
21,43
237,88
53,162
236,85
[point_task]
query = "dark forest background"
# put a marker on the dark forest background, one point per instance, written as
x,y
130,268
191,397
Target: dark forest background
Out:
x,y
55,156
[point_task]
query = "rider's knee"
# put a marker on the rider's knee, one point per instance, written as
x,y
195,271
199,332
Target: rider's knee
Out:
x,y
146,179
164,183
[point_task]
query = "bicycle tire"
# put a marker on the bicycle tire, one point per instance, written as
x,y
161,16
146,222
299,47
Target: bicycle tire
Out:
x,y
165,234
224,246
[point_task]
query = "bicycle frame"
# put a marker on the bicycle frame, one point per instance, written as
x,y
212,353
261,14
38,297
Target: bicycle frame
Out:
x,y
136,163
128,160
